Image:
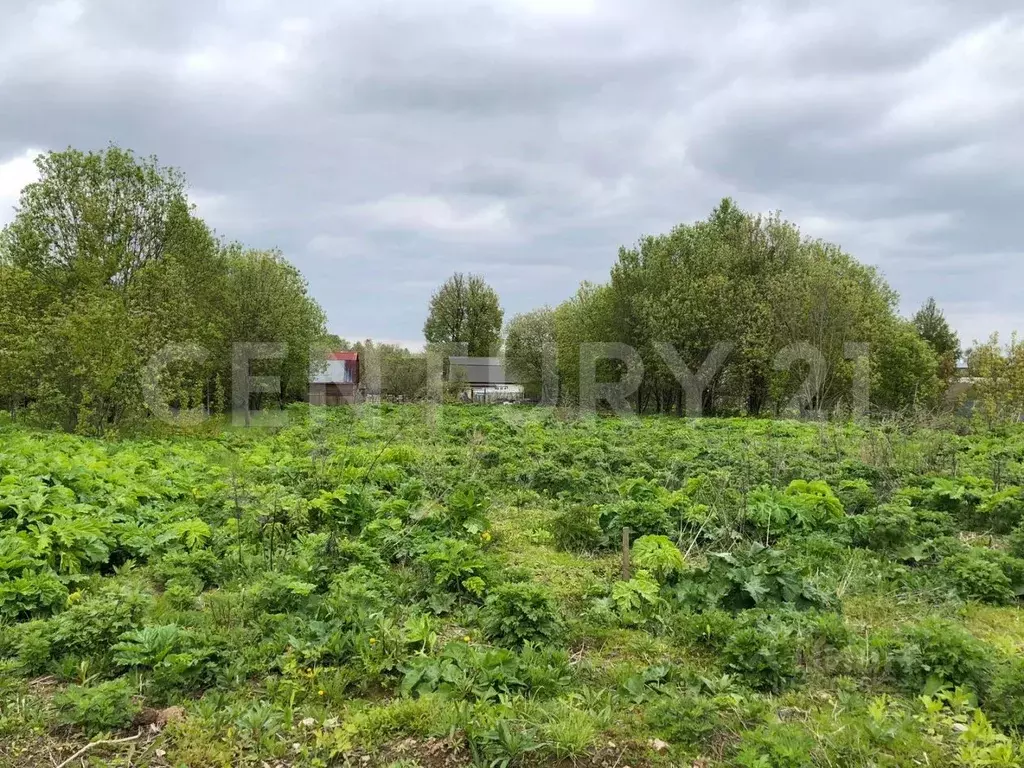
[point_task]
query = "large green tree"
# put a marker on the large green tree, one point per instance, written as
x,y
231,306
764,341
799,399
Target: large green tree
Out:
x,y
106,267
528,337
466,310
932,326
756,314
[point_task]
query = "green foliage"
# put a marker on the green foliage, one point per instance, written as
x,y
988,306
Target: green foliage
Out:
x,y
1006,701
899,528
658,555
466,672
524,347
577,530
465,310
980,574
456,565
763,656
1002,512
102,707
748,578
636,601
105,265
803,506
520,613
935,653
856,496
31,594
357,589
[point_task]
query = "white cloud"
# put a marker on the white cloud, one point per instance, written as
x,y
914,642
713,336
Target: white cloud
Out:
x,y
15,174
438,216
970,82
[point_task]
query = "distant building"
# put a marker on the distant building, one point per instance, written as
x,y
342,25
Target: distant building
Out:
x,y
338,384
485,379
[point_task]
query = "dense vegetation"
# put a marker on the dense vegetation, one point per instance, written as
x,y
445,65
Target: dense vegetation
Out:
x,y
429,587
109,284
776,310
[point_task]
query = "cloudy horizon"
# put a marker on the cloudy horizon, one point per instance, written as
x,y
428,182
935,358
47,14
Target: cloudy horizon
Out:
x,y
526,140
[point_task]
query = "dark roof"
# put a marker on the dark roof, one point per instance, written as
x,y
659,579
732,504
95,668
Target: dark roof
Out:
x,y
481,370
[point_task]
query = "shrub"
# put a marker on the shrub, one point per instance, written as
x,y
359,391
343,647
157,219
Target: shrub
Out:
x,y
456,565
1006,703
892,527
777,745
519,613
577,530
659,555
354,594
763,656
467,507
636,601
857,496
977,575
148,646
749,578
277,592
1001,512
93,624
936,653
642,507
200,565
710,630
321,556
97,708
685,720
31,594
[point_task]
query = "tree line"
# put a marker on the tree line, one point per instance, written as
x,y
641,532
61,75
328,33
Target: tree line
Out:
x,y
773,317
106,264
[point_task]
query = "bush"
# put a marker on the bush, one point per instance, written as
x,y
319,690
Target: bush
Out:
x,y
31,594
456,565
709,631
94,624
102,707
686,720
893,527
751,577
199,565
1016,542
856,496
467,507
1006,704
763,656
519,613
577,530
977,575
936,653
658,555
1001,512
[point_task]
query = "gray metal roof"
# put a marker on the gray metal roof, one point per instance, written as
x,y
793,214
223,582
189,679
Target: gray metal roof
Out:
x,y
480,370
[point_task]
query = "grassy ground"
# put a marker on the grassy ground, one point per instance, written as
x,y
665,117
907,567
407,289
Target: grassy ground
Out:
x,y
439,591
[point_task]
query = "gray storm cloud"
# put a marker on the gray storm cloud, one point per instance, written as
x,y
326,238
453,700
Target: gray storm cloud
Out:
x,y
383,146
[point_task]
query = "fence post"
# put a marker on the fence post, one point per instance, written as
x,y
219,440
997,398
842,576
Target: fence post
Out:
x,y
625,554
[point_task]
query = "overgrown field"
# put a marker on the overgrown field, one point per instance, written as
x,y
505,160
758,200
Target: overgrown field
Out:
x,y
414,587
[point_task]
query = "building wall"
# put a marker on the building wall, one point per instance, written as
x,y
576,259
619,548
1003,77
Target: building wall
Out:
x,y
332,394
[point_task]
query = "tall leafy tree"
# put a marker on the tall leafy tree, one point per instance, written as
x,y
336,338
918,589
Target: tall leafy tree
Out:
x,y
465,309
789,306
932,326
525,342
106,264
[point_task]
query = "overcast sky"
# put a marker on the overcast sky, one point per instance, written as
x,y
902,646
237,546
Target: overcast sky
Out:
x,y
383,145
